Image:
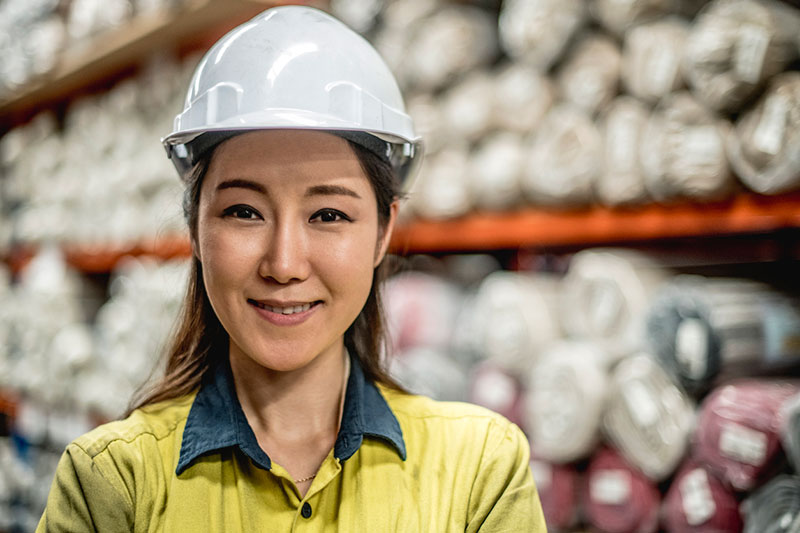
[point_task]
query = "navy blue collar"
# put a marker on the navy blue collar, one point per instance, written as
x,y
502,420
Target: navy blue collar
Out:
x,y
216,420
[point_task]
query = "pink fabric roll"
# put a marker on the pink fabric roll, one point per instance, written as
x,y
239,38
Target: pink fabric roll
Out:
x,y
494,388
698,502
738,430
558,493
617,498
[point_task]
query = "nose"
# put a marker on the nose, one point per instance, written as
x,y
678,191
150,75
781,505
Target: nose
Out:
x,y
285,258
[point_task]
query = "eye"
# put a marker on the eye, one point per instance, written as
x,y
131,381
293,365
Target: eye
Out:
x,y
329,215
241,211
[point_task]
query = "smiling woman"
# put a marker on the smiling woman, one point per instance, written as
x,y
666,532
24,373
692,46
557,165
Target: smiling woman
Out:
x,y
275,408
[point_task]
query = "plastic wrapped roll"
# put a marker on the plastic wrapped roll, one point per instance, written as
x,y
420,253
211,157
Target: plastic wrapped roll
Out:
x,y
562,163
558,487
537,31
648,418
617,498
361,15
764,149
774,508
651,58
522,96
496,389
589,76
618,16
495,169
697,502
606,293
441,190
622,125
682,152
429,121
430,372
703,329
514,318
738,430
567,392
467,108
735,45
790,431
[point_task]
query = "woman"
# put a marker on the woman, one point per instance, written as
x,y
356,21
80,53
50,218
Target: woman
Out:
x,y
275,412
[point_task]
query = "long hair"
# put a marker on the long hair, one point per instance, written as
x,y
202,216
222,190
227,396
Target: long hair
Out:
x,y
199,338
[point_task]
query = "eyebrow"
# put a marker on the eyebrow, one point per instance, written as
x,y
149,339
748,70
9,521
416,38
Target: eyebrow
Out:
x,y
242,184
331,190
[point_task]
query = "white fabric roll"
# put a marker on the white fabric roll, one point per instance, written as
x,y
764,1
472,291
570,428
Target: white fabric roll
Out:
x,y
589,76
764,148
562,163
426,112
431,372
522,96
605,297
651,58
537,31
735,45
616,16
648,418
682,151
467,108
564,404
495,170
622,125
440,191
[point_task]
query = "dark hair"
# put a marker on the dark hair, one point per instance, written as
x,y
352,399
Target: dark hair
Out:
x,y
199,336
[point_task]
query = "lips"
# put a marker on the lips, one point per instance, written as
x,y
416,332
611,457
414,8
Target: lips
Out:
x,y
283,308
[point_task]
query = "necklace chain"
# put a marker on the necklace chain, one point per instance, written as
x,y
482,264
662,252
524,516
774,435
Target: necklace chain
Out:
x,y
304,479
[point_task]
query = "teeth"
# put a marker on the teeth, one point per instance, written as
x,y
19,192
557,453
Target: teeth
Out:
x,y
288,310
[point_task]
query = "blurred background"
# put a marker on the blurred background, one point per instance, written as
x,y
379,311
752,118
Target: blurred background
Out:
x,y
603,244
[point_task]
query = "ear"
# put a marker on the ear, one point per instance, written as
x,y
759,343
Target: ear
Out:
x,y
195,248
385,237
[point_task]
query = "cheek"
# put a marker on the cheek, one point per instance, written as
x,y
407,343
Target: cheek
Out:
x,y
227,258
347,265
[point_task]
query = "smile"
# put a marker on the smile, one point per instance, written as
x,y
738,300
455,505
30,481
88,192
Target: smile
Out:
x,y
292,309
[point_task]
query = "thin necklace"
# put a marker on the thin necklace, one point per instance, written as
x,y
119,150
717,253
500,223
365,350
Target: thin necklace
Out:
x,y
302,480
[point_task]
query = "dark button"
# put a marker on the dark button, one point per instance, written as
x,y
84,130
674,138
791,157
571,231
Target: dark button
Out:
x,y
306,510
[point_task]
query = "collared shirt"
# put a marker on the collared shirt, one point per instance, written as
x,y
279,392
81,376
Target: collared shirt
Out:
x,y
400,463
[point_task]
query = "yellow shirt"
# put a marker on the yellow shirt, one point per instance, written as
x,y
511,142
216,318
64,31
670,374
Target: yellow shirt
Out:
x,y
400,463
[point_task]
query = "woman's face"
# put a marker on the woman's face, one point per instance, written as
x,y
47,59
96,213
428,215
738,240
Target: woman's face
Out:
x,y
288,238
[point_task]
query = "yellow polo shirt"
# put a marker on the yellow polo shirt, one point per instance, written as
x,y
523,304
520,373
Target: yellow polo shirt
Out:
x,y
400,463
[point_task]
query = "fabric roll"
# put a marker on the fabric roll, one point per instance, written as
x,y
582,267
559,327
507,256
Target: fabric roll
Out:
x,y
562,161
426,112
705,329
467,108
764,148
735,45
440,191
738,430
431,372
538,31
496,389
697,502
682,152
775,507
648,418
622,125
522,96
514,317
494,172
617,498
790,431
617,17
651,58
565,400
606,293
558,487
589,76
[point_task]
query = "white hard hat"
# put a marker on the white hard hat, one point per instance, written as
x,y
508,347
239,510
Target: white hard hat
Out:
x,y
295,67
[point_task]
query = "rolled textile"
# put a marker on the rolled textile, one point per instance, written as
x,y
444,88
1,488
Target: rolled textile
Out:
x,y
651,58
514,319
702,329
361,15
774,508
621,181
431,372
682,152
537,31
496,389
589,76
697,502
467,107
790,431
426,111
522,96
764,148
606,293
736,45
648,418
565,400
738,430
558,487
494,172
617,498
562,161
440,191
617,16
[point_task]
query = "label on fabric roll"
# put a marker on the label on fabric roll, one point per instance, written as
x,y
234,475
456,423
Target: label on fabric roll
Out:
x,y
768,135
743,444
610,487
640,403
751,48
696,499
691,347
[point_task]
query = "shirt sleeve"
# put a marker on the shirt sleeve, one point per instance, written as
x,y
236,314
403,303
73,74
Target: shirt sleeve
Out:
x,y
504,497
83,499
